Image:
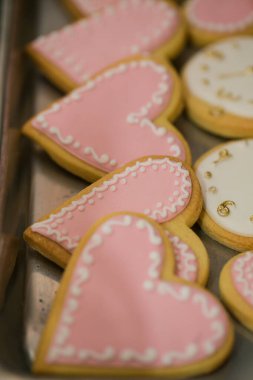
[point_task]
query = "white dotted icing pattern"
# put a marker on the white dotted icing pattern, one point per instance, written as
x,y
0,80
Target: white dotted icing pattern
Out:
x,y
64,47
232,178
222,76
216,26
63,349
242,275
186,261
54,226
103,160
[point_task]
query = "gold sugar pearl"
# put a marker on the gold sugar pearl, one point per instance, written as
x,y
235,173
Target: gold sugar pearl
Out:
x,y
204,67
213,189
205,81
251,218
208,175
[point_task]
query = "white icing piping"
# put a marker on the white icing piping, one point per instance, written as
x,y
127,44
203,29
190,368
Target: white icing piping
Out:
x,y
142,44
130,355
171,357
134,118
207,311
186,260
150,355
49,225
239,268
217,27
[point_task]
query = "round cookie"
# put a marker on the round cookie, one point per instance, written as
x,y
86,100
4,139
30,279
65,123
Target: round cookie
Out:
x,y
218,84
116,117
72,55
225,174
236,287
211,20
120,284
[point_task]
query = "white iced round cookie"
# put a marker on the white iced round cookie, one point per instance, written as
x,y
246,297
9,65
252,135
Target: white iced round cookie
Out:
x,y
226,178
219,81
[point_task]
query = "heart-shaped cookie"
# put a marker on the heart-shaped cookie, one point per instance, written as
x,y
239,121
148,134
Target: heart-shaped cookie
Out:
x,y
160,187
236,287
118,116
75,53
120,311
83,8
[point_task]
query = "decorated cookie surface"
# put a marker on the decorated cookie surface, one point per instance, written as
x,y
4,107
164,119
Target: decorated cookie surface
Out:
x,y
124,260
82,8
160,187
72,55
218,81
213,19
225,175
236,285
118,116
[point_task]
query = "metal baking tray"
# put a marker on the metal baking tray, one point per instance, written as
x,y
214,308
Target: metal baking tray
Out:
x,y
32,185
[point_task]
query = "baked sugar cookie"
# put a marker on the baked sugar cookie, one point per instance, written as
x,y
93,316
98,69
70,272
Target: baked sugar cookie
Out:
x,y
75,53
236,287
218,84
225,174
190,256
161,187
211,20
119,284
83,8
118,116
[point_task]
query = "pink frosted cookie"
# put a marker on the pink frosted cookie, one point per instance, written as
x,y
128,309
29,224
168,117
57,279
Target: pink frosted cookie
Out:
x,y
120,311
75,53
191,259
236,287
83,8
118,116
210,20
160,187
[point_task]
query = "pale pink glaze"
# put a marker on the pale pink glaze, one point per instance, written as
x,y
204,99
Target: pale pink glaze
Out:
x,y
186,260
159,188
92,122
85,47
242,276
221,15
87,7
117,313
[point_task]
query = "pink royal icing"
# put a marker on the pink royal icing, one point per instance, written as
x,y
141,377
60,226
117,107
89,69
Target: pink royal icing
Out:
x,y
141,320
242,275
159,188
89,6
221,15
186,260
129,27
118,107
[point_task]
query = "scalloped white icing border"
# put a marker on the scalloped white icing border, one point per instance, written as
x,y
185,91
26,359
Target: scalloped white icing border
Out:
x,y
112,184
162,288
186,260
138,118
216,27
